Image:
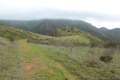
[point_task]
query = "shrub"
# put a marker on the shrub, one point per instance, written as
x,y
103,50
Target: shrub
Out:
x,y
106,59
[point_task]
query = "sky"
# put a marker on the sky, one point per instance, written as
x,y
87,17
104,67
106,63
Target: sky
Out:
x,y
101,13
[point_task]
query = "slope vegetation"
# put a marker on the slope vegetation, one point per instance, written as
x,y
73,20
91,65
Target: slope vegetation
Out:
x,y
22,59
49,26
68,39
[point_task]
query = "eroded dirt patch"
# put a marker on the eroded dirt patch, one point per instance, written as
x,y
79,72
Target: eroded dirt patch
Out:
x,y
36,65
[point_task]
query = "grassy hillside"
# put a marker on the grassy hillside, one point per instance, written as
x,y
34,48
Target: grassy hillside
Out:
x,y
80,63
30,56
73,39
12,33
21,60
67,37
10,61
49,26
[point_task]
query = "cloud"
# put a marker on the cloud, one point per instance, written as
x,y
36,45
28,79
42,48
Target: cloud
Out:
x,y
86,15
98,12
52,13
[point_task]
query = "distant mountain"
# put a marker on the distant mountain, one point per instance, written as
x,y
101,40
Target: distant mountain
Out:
x,y
49,26
115,34
112,35
103,29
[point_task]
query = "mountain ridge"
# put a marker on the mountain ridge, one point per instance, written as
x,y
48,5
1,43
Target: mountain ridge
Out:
x,y
49,26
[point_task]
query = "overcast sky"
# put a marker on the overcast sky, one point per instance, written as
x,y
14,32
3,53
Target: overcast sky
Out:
x,y
101,13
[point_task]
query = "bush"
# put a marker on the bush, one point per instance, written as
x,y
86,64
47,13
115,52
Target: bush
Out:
x,y
106,59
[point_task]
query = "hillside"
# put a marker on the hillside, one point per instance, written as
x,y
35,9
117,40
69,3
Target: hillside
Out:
x,y
10,65
112,35
73,39
12,33
49,26
70,55
21,60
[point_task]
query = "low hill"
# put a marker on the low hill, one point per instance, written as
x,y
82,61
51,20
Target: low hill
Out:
x,y
112,35
12,33
73,39
49,26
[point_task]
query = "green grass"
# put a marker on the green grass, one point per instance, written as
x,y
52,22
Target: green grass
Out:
x,y
21,60
72,40
78,63
48,68
10,61
12,33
